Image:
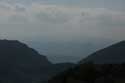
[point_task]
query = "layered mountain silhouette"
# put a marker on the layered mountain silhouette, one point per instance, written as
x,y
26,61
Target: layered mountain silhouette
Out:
x,y
22,64
104,66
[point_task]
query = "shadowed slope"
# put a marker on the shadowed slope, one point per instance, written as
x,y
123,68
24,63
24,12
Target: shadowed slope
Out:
x,y
22,64
110,55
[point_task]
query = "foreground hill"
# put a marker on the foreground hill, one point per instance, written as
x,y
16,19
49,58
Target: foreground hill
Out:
x,y
22,64
104,66
92,73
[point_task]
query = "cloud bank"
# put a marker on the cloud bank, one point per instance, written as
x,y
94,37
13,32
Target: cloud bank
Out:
x,y
53,20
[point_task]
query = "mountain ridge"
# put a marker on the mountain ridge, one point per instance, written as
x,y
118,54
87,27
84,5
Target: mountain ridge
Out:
x,y
114,52
21,64
96,68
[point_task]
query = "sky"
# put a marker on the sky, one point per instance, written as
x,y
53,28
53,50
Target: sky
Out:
x,y
63,30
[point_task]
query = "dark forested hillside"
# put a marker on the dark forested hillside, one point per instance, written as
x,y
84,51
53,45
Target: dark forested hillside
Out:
x,y
22,64
104,66
113,54
92,73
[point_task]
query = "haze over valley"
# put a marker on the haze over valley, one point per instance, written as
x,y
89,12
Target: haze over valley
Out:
x,y
65,30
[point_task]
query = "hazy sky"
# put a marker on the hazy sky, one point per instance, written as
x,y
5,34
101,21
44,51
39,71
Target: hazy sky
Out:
x,y
63,28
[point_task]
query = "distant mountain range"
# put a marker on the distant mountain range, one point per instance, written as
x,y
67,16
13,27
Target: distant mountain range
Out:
x,y
22,64
104,66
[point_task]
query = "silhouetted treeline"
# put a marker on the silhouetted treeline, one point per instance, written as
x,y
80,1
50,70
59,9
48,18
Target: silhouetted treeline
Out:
x,y
92,73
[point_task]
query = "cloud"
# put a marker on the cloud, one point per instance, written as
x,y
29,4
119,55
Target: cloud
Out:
x,y
70,30
61,21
